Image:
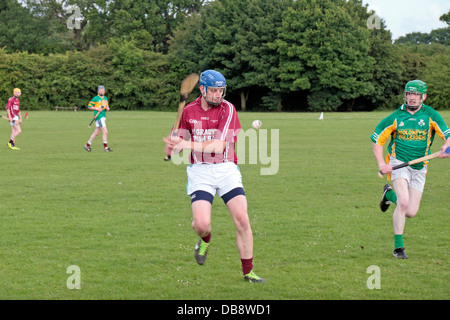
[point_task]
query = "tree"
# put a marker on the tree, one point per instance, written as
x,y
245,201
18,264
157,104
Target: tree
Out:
x,y
20,28
387,69
435,74
86,23
149,24
235,45
68,17
324,51
297,55
441,35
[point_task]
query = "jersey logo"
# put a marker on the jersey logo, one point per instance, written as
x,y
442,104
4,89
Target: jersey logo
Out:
x,y
421,123
412,134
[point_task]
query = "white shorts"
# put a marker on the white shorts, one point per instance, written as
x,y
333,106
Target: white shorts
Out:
x,y
415,178
14,121
217,178
100,123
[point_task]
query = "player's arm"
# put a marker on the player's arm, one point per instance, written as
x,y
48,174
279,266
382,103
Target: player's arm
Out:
x,y
378,153
106,105
440,127
382,133
177,144
444,148
92,107
8,111
213,146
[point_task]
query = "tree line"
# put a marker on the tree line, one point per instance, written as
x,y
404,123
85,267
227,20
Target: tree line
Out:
x,y
277,55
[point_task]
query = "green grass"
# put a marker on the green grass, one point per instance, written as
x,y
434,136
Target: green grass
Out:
x,y
124,218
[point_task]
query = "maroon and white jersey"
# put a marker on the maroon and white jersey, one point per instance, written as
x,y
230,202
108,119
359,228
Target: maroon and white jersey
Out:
x,y
220,123
13,105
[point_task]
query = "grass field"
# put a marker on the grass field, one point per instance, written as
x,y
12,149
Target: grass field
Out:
x,y
124,219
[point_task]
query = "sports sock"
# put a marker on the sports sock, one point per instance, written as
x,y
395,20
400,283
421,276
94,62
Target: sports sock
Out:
x,y
88,144
398,239
12,142
391,196
247,265
207,238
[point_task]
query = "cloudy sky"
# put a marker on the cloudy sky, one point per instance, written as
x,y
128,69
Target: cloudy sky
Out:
x,y
406,16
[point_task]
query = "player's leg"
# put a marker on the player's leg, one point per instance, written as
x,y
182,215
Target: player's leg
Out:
x,y
201,202
236,201
244,235
96,132
409,197
104,134
415,196
387,197
399,216
416,186
201,214
15,131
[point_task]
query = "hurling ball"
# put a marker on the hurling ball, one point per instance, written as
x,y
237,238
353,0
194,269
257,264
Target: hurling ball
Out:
x,y
256,124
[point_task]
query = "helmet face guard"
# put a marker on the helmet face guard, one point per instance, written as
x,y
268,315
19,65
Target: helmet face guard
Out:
x,y
211,80
415,87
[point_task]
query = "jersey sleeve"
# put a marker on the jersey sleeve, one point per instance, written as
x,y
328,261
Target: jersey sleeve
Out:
x,y
384,130
93,103
183,128
9,104
439,126
229,124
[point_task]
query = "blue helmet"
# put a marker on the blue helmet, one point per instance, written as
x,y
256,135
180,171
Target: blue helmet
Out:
x,y
213,79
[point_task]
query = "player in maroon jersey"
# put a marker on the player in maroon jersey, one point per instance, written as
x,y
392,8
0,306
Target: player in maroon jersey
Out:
x,y
209,127
14,117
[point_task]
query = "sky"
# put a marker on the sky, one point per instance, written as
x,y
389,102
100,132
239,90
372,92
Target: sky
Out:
x,y
406,16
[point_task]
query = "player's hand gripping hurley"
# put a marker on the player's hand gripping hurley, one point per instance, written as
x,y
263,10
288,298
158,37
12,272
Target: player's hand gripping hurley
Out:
x,y
6,118
187,85
104,104
418,160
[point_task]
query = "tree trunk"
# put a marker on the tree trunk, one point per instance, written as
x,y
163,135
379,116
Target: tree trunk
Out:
x,y
350,105
244,97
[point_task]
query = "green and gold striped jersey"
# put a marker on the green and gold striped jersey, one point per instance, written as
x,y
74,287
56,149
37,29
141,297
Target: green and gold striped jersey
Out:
x,y
411,135
99,102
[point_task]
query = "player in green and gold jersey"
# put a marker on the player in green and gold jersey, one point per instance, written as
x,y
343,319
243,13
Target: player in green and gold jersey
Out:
x,y
99,104
412,129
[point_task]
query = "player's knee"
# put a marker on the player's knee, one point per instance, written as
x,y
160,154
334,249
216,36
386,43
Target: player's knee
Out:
x,y
402,205
411,213
201,227
242,221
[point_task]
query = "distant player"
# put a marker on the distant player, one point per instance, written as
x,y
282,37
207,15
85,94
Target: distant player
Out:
x,y
212,125
14,117
99,104
411,128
